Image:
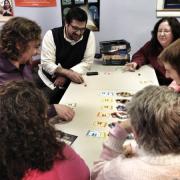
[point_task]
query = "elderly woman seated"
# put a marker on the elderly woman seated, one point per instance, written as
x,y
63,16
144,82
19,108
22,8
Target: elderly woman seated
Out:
x,y
155,122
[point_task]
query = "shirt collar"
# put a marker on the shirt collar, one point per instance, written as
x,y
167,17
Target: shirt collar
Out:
x,y
72,42
9,66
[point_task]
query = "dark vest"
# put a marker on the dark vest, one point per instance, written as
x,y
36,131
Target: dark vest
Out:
x,y
66,54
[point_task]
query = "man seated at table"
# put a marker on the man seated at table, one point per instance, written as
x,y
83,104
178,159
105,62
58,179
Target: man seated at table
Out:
x,y
67,52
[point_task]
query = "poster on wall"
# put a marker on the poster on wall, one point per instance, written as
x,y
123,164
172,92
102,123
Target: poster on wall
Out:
x,y
35,3
92,7
6,10
169,8
172,4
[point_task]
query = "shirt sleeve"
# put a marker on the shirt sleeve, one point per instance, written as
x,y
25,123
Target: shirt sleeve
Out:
x,y
88,58
174,86
140,57
51,111
48,53
111,149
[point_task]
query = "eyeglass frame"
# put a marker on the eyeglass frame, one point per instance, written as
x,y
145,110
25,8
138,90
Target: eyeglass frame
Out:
x,y
76,29
164,31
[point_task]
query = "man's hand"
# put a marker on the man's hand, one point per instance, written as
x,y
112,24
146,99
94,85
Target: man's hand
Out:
x,y
70,74
65,113
75,77
60,81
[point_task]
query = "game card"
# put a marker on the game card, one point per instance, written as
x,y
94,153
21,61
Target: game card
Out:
x,y
122,101
67,138
112,125
103,114
99,123
95,133
106,107
72,105
107,93
124,94
120,115
107,100
121,108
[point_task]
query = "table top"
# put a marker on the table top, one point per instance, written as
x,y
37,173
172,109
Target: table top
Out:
x,y
94,102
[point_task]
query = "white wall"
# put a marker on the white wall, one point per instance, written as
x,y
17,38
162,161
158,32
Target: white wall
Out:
x,y
132,20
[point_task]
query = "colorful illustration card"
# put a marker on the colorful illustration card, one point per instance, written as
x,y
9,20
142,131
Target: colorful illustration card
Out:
x,y
120,115
122,101
124,94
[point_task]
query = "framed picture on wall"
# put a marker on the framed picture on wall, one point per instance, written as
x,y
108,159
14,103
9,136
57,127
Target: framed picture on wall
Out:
x,y
172,4
92,8
6,10
168,8
79,1
66,2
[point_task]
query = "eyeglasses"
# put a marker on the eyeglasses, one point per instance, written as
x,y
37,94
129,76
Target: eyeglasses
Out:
x,y
164,31
76,29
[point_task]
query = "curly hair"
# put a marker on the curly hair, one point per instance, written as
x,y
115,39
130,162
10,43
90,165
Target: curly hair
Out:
x,y
175,27
18,30
27,141
155,117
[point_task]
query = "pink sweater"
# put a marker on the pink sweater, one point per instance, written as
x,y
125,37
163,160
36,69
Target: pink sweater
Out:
x,y
72,168
175,86
112,165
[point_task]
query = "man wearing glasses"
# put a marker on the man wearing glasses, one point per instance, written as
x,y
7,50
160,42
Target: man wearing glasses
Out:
x,y
67,52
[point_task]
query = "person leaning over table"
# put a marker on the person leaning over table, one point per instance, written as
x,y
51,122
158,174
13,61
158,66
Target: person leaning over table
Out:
x,y
19,41
170,57
155,122
29,146
165,31
67,52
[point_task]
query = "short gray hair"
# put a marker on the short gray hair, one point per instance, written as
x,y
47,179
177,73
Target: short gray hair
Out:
x,y
155,117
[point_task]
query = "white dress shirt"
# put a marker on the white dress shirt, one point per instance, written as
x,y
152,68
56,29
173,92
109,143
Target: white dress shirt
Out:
x,y
48,56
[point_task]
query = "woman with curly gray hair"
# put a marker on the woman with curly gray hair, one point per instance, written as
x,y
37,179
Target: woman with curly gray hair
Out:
x,y
29,147
155,122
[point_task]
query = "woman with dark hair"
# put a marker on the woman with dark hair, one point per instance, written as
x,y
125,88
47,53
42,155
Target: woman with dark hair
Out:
x,y
29,147
165,31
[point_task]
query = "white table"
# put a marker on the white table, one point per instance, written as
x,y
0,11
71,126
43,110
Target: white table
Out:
x,y
90,103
